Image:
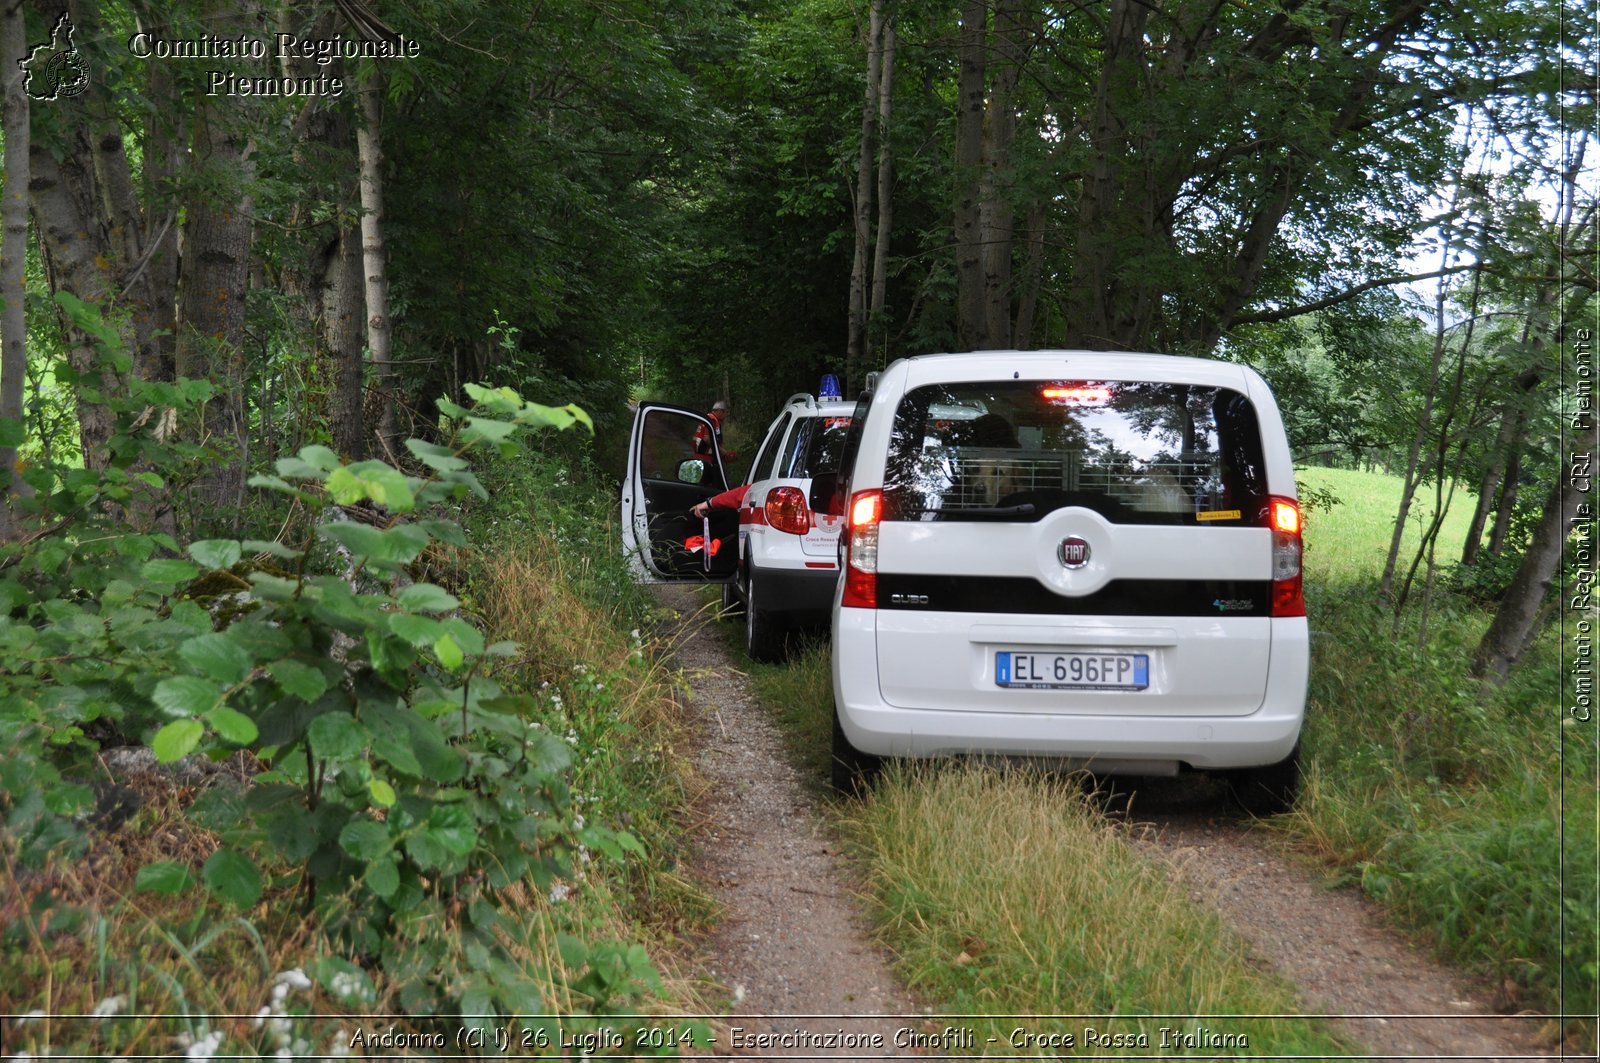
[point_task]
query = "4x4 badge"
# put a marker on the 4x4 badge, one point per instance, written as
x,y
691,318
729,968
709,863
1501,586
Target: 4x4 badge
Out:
x,y
1073,551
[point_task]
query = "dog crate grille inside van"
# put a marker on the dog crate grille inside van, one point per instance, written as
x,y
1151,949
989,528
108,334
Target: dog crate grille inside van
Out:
x,y
984,476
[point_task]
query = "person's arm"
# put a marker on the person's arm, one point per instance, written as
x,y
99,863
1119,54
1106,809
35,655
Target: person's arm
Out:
x,y
726,500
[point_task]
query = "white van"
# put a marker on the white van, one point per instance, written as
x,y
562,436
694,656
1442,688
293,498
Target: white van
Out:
x,y
777,559
1084,556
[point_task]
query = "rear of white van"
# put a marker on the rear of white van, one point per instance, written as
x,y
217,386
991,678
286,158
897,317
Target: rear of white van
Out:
x,y
1085,556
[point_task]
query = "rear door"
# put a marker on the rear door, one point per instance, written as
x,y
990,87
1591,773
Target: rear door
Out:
x,y
815,448
663,542
1077,547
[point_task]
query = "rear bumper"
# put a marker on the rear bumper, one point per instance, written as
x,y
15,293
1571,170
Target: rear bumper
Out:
x,y
1133,744
801,595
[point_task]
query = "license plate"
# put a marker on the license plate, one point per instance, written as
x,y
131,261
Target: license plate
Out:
x,y
1050,670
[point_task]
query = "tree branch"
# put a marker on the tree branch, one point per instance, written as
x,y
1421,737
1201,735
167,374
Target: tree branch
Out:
x,y
1286,312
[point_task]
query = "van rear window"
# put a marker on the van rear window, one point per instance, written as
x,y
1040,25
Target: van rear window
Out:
x,y
815,446
1135,452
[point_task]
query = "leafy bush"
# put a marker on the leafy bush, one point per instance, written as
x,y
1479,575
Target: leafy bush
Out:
x,y
394,778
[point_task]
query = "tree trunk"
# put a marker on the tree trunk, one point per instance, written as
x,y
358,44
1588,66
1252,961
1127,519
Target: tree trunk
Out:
x,y
1515,622
1518,619
1507,442
99,244
1032,276
971,84
880,247
369,144
212,282
13,252
326,288
997,225
1506,506
344,307
1425,417
1096,301
861,215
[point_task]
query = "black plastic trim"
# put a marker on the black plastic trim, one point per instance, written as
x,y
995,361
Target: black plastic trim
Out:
x,y
1026,595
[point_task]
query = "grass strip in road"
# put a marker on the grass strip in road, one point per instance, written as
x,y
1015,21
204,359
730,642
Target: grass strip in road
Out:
x,y
1005,893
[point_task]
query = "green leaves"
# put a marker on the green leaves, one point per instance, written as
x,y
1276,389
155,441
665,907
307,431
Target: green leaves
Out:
x,y
233,877
168,571
299,679
449,653
384,548
233,726
177,740
216,553
186,695
371,480
337,736
165,877
426,598
364,839
217,656
440,459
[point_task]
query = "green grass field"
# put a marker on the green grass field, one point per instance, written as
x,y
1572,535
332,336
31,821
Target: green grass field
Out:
x,y
1350,541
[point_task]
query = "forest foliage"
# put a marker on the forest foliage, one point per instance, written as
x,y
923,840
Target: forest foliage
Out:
x,y
234,319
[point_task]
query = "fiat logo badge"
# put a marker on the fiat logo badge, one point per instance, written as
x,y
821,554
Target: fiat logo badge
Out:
x,y
1073,551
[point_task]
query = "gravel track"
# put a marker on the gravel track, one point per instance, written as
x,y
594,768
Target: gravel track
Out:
x,y
793,942
794,948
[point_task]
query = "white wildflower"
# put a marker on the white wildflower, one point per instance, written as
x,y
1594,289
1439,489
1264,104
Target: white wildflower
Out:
x,y
206,1047
109,1007
294,978
560,892
261,1018
348,985
577,821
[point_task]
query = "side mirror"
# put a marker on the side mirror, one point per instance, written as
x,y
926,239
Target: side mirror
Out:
x,y
691,470
824,494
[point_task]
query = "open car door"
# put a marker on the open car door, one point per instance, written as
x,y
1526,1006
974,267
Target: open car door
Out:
x,y
666,476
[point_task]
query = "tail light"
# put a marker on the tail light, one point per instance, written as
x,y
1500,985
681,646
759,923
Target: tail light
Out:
x,y
787,510
861,550
1288,593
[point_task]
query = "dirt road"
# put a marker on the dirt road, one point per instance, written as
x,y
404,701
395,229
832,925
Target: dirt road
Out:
x,y
806,979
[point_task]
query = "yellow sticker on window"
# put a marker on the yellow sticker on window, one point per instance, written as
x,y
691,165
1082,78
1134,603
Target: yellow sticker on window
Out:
x,y
1218,514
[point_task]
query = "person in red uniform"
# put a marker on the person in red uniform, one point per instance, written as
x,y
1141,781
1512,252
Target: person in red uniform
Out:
x,y
705,440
